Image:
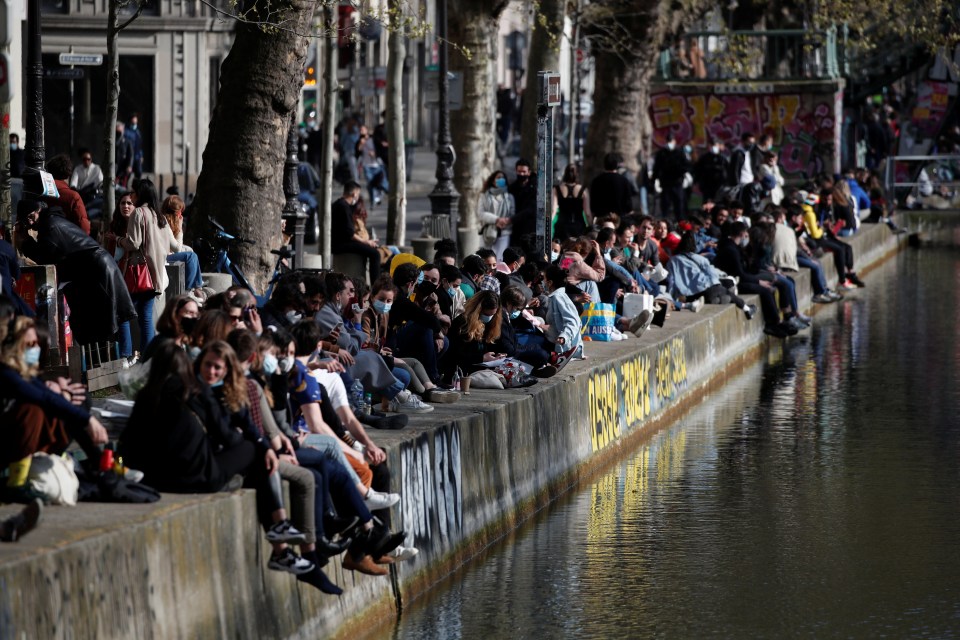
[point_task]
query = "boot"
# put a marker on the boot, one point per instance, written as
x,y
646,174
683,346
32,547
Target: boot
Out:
x,y
364,565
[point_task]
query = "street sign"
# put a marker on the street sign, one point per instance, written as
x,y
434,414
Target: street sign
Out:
x,y
84,59
6,82
63,74
550,88
431,93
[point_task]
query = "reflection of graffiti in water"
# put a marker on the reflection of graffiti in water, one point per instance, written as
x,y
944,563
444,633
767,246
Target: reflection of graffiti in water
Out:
x,y
803,126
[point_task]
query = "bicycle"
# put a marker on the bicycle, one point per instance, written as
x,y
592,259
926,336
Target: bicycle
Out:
x,y
215,255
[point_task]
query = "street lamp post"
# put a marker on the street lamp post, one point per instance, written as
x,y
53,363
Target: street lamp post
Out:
x,y
292,215
444,199
34,148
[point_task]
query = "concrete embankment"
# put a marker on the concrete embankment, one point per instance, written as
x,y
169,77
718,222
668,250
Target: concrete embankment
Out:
x,y
195,566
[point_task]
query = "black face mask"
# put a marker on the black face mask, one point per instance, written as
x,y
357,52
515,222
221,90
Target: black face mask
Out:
x,y
188,325
426,288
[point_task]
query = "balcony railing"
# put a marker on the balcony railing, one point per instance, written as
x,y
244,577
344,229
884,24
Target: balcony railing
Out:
x,y
789,54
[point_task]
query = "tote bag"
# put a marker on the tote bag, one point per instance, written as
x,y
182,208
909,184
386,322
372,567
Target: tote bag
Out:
x,y
597,322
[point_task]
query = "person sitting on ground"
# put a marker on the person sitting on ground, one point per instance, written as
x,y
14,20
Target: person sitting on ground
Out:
x,y
582,259
529,351
821,237
185,442
177,322
697,281
449,293
473,336
760,262
790,253
37,418
212,325
172,209
476,276
285,307
730,259
413,331
563,321
343,237
376,323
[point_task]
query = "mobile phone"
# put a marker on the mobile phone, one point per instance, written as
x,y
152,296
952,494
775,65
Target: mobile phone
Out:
x,y
356,308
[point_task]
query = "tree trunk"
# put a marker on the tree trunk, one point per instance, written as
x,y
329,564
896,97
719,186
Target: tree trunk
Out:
x,y
473,27
241,184
330,89
621,94
544,55
397,203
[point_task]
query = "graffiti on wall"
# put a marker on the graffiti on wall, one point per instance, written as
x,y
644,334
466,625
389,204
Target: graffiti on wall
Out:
x,y
622,396
805,127
432,499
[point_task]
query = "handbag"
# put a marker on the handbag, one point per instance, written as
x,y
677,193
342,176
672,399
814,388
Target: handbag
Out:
x,y
136,272
53,478
597,321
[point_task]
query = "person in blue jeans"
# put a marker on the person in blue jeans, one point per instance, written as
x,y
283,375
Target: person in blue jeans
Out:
x,y
172,210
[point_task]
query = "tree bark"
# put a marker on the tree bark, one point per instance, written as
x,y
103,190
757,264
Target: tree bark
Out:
x,y
473,29
241,184
543,55
397,202
330,90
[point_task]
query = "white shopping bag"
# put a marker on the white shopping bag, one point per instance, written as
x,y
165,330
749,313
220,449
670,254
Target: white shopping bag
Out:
x,y
634,303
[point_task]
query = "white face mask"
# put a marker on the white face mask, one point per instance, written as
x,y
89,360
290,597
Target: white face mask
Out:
x,y
293,317
671,146
715,149
554,256
744,241
285,365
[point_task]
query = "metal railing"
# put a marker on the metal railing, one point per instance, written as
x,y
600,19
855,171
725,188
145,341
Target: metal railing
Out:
x,y
787,54
933,175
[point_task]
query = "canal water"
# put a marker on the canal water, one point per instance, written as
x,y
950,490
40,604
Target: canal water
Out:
x,y
816,495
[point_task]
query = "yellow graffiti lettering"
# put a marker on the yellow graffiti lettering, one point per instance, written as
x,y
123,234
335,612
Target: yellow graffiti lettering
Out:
x,y
604,398
671,372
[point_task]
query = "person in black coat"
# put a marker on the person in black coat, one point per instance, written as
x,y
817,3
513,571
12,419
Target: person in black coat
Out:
x,y
730,260
710,171
9,273
670,165
98,298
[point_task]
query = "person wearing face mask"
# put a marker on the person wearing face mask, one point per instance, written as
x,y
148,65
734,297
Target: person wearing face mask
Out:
x,y
413,331
524,192
744,161
18,158
343,236
376,323
474,336
40,418
452,299
563,321
669,167
495,211
711,170
730,259
176,322
518,337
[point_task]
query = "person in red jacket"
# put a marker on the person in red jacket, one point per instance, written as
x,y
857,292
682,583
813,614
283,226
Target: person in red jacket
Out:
x,y
61,167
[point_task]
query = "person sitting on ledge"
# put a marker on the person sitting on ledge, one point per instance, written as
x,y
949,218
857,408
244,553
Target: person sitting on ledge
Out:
x,y
343,236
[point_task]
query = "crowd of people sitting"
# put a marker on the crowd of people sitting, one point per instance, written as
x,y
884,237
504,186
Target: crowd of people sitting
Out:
x,y
234,395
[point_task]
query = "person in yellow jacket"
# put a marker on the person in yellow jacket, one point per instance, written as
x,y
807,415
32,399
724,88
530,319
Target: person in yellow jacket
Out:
x,y
822,237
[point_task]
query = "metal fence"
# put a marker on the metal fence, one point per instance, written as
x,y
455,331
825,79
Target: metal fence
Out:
x,y
786,54
924,178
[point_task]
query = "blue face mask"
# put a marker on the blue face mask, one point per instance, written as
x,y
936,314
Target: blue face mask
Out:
x,y
381,307
452,292
193,352
500,183
217,384
485,319
515,314
32,356
270,364
419,277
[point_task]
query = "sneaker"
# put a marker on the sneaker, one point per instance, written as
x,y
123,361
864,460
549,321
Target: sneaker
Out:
x,y
442,396
824,298
402,553
15,527
846,285
788,328
797,324
290,562
696,305
546,371
406,402
132,475
283,531
807,320
750,310
855,279
376,500
776,331
835,296
640,322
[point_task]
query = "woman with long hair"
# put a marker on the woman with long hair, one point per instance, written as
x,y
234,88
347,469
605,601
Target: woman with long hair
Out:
x,y
473,335
496,210
172,210
571,202
147,240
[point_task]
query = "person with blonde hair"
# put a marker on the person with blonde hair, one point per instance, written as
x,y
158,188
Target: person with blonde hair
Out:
x,y
473,335
42,418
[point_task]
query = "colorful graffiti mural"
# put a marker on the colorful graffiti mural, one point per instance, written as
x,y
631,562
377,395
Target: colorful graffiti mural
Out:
x,y
805,127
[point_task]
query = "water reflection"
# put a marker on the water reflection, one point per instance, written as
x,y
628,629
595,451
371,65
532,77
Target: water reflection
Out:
x,y
817,494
